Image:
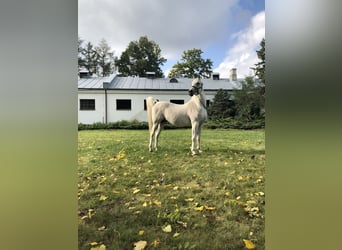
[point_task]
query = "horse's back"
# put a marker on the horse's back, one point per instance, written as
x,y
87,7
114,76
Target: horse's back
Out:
x,y
176,114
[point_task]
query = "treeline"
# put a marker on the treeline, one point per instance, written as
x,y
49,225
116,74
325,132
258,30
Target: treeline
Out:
x,y
98,60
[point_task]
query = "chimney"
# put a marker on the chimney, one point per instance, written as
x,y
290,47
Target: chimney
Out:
x,y
216,76
232,74
150,75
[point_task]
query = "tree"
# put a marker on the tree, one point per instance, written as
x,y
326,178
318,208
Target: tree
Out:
x,y
90,58
140,57
260,66
249,101
192,65
222,105
105,58
80,56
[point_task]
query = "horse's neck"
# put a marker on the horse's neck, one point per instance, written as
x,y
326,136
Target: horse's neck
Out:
x,y
202,99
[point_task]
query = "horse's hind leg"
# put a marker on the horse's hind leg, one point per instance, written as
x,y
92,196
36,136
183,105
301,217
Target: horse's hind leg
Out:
x,y
156,136
152,132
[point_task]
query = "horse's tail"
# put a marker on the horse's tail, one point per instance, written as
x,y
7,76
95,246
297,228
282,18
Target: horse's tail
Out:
x,y
150,101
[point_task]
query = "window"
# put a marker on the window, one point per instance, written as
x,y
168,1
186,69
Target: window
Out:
x,y
177,101
208,103
123,104
87,104
145,106
174,80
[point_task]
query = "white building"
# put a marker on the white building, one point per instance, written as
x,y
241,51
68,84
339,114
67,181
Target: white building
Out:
x,y
115,98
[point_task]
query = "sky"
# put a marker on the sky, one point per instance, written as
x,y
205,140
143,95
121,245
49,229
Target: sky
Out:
x,y
227,31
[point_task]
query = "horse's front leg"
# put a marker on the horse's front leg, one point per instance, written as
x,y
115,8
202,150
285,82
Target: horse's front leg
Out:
x,y
194,137
199,139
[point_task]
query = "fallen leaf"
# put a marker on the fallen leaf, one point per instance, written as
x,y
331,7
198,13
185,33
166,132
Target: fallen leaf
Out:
x,y
249,244
101,247
158,203
145,204
176,235
103,197
136,191
120,155
155,243
140,245
101,228
240,178
209,208
199,208
167,229
94,243
141,232
189,199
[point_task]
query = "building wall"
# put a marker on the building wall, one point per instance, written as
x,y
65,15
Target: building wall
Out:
x,y
92,116
137,98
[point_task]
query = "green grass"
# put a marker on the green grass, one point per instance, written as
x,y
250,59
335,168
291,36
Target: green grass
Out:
x,y
212,201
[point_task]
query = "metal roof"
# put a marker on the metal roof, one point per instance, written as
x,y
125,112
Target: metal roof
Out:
x,y
142,83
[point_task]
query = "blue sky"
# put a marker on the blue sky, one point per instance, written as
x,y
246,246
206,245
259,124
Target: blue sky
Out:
x,y
227,31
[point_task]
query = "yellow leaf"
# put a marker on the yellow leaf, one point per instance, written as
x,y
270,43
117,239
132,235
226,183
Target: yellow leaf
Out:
x,y
103,197
227,193
101,228
175,188
167,229
176,235
120,155
140,245
249,244
158,203
189,199
155,243
147,195
240,178
94,243
199,208
101,247
145,204
136,191
209,208
141,232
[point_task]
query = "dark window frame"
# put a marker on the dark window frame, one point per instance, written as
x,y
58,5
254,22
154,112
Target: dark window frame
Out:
x,y
87,104
123,104
177,101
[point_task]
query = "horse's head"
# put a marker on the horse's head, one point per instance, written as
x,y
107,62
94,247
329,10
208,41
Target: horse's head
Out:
x,y
196,87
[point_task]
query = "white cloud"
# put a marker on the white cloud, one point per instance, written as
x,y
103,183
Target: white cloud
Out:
x,y
175,26
242,55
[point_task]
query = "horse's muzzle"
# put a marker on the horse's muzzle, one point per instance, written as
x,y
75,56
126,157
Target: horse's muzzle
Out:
x,y
191,92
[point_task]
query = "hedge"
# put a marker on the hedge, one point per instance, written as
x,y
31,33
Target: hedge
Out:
x,y
225,123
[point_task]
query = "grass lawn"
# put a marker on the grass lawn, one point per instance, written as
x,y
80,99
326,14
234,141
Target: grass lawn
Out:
x,y
170,199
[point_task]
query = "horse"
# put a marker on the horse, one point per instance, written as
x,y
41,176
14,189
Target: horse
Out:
x,y
193,113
